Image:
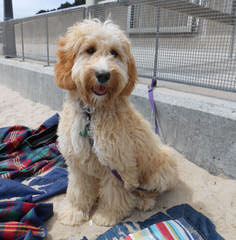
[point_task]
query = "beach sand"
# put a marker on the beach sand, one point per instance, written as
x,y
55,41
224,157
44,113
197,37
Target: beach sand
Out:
x,y
213,196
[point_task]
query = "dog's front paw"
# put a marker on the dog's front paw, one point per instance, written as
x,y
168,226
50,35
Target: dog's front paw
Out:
x,y
146,204
69,215
105,218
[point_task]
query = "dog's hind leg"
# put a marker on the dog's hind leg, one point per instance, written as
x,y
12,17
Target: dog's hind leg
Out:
x,y
163,175
81,195
115,202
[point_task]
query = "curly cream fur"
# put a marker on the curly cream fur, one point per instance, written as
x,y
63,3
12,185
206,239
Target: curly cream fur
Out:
x,y
123,140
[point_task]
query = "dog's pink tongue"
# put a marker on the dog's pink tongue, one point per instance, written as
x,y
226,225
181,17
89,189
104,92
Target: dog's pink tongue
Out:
x,y
100,89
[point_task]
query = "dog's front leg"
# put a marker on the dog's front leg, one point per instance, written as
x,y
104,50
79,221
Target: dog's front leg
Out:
x,y
117,153
115,202
81,195
124,167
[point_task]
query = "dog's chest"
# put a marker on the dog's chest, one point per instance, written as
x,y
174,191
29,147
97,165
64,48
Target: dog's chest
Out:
x,y
84,147
84,127
92,129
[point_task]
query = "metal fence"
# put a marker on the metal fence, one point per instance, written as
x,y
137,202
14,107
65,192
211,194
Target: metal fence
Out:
x,y
184,41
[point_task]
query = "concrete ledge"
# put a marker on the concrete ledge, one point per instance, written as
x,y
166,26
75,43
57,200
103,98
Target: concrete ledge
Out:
x,y
202,128
32,80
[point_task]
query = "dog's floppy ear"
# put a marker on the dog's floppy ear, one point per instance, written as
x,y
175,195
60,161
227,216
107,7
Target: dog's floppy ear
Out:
x,y
63,67
132,75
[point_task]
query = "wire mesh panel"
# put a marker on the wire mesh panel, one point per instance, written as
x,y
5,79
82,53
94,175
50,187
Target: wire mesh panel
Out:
x,y
143,47
185,41
142,27
1,48
18,39
195,40
113,10
35,40
57,26
1,39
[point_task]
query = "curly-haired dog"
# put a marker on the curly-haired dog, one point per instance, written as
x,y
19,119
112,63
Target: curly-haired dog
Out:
x,y
115,161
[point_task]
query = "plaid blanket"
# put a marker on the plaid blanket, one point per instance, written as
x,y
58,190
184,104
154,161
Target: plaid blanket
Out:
x,y
30,171
25,152
23,220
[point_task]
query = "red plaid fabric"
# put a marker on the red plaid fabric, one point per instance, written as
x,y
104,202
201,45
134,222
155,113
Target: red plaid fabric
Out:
x,y
18,159
24,153
19,219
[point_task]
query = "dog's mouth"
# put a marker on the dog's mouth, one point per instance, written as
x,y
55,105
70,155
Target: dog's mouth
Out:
x,y
99,90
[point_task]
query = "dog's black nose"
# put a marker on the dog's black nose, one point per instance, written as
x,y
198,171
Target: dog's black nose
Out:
x,y
102,77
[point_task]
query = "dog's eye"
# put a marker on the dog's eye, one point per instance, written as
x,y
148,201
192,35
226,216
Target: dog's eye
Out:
x,y
91,50
114,53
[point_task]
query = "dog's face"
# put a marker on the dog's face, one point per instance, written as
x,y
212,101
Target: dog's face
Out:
x,y
94,59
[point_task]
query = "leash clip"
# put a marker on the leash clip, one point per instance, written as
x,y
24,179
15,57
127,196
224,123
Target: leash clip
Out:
x,y
152,102
153,84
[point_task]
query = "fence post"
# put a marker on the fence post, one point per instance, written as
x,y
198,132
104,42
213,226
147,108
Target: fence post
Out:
x,y
87,12
157,41
8,39
47,40
22,42
157,124
84,12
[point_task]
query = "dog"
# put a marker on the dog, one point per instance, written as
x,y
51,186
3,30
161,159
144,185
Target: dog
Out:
x,y
115,161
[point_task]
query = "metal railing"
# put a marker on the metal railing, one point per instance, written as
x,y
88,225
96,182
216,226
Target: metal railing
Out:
x,y
183,41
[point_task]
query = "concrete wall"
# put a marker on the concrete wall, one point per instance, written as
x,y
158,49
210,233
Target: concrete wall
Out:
x,y
202,128
31,81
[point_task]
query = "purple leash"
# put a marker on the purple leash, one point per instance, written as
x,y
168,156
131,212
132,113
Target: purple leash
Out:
x,y
151,99
117,175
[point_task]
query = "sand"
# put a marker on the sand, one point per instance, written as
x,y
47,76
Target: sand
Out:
x,y
213,196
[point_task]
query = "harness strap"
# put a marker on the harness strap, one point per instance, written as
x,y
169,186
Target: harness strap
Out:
x,y
117,175
84,133
151,99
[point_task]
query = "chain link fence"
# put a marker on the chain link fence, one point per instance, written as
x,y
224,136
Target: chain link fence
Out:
x,y
183,41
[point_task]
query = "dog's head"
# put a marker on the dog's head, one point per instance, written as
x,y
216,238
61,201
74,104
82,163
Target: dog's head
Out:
x,y
94,59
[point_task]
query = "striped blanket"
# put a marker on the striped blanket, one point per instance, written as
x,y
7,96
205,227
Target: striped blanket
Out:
x,y
181,222
172,230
